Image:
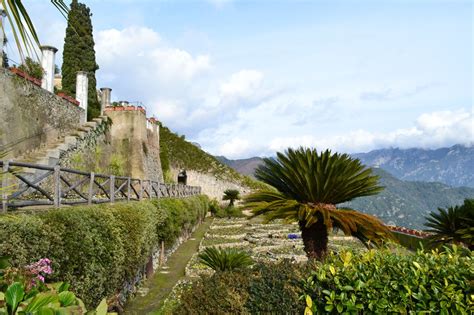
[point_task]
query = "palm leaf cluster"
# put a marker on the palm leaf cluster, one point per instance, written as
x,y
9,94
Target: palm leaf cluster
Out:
x,y
453,225
22,27
226,259
309,185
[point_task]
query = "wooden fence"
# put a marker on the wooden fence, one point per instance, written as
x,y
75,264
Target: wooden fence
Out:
x,y
25,184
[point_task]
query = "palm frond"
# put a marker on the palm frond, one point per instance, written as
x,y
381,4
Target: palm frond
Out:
x,y
308,176
225,259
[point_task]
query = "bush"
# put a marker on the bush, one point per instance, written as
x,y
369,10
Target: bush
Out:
x,y
98,248
382,282
264,289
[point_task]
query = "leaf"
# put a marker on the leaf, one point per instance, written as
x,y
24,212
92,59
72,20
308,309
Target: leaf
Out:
x,y
66,298
14,295
41,300
332,270
417,265
102,308
46,311
309,301
308,311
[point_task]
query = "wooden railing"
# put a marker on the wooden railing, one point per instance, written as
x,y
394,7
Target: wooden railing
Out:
x,y
25,184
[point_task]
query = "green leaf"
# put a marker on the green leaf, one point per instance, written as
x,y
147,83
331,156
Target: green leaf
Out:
x,y
14,295
66,298
41,300
329,308
340,308
102,308
309,301
46,311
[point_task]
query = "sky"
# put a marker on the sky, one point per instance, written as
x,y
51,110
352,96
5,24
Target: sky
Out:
x,y
249,78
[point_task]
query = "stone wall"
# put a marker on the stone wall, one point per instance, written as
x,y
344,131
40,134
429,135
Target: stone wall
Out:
x,y
135,142
210,185
30,116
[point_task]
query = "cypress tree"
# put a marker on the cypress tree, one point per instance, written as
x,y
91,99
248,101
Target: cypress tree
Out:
x,y
79,55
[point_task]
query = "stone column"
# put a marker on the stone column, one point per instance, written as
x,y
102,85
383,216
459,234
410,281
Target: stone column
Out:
x,y
48,54
82,88
105,100
2,38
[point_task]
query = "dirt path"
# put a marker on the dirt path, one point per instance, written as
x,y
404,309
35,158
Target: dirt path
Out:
x,y
164,279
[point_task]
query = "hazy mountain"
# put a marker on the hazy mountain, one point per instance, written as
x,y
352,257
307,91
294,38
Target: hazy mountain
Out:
x,y
243,166
453,166
406,203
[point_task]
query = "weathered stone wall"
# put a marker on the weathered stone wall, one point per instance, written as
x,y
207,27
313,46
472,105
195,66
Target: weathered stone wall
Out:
x,y
30,116
210,185
137,144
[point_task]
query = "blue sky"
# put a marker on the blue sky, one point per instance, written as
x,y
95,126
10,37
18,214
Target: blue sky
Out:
x,y
245,78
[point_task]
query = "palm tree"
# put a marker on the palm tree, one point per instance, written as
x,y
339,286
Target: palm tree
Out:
x,y
308,186
21,25
231,195
453,225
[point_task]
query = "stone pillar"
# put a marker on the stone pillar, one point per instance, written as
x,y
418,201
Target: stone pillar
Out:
x,y
105,100
48,54
2,38
82,88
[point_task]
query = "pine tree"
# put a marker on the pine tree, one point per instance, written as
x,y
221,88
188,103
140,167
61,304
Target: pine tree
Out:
x,y
79,55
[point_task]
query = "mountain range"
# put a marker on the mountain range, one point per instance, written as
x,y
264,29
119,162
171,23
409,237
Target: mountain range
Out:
x,y
417,181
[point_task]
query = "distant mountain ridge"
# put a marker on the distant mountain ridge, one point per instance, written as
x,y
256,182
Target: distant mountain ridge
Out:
x,y
413,193
453,166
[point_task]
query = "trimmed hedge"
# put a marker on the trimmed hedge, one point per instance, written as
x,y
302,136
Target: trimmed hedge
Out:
x,y
374,282
98,248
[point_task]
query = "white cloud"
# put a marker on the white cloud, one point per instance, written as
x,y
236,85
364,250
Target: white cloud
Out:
x,y
234,148
243,84
431,130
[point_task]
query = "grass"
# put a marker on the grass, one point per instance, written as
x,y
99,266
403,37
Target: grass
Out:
x,y
161,284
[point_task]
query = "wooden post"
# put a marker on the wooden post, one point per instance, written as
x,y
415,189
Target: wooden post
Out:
x,y
91,188
162,253
57,186
150,189
112,188
5,185
128,189
140,196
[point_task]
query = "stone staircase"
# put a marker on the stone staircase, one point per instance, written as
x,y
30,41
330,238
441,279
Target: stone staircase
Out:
x,y
50,154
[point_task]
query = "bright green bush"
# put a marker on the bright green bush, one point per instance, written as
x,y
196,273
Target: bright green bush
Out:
x,y
382,282
98,248
225,259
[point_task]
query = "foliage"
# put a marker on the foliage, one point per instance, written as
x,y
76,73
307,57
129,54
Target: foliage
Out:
x,y
180,154
32,68
309,185
382,282
98,248
231,195
23,290
79,55
224,259
264,289
453,225
214,207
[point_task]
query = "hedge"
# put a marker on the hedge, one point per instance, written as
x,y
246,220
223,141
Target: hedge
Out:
x,y
380,281
101,247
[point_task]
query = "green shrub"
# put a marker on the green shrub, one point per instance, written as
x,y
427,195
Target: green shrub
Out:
x,y
263,289
382,282
98,248
221,293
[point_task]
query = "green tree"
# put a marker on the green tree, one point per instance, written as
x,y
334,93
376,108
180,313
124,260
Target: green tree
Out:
x,y
232,195
308,186
79,55
453,225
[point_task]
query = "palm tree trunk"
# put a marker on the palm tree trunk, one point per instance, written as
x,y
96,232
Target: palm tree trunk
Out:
x,y
315,239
